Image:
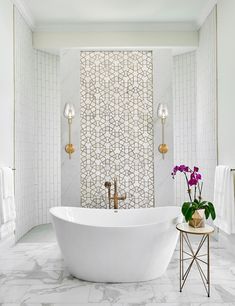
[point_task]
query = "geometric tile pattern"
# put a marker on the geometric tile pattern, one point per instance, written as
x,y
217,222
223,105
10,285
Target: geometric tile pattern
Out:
x,y
117,127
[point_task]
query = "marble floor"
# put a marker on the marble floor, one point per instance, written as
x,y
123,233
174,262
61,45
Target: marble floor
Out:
x,y
33,273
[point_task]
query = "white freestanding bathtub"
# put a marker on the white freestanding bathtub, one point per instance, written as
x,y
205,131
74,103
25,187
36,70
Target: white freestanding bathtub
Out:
x,y
127,245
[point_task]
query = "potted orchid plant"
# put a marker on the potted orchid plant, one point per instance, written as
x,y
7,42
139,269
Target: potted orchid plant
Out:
x,y
195,209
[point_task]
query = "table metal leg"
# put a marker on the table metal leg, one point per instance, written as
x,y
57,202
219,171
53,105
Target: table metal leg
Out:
x,y
194,257
208,264
182,256
181,261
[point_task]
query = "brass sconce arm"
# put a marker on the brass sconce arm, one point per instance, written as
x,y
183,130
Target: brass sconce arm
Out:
x,y
69,113
162,113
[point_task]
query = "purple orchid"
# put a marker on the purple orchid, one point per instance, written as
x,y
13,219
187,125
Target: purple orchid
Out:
x,y
181,168
192,178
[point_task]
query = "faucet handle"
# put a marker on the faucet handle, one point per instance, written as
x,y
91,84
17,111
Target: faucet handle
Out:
x,y
107,184
123,197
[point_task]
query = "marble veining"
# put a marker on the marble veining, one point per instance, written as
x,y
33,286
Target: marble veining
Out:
x,y
35,274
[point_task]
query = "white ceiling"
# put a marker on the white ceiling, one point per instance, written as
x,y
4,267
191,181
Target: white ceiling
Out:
x,y
54,13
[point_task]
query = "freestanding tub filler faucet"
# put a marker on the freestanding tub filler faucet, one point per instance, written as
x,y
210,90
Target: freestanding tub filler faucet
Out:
x,y
115,196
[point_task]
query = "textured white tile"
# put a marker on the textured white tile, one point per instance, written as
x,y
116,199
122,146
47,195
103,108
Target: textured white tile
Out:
x,y
207,104
195,132
47,134
24,128
37,132
184,76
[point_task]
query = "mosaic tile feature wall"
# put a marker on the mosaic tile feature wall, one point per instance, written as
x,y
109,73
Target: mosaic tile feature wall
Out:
x,y
117,126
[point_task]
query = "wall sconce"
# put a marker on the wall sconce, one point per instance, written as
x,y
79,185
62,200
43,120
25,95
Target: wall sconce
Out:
x,y
69,113
162,113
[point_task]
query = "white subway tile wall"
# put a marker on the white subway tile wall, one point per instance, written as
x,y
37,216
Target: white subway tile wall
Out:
x,y
24,128
185,138
195,107
47,134
37,131
207,104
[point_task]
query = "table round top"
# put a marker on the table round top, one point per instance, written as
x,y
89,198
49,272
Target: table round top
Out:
x,y
186,228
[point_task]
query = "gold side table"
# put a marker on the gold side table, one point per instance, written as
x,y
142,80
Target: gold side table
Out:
x,y
194,256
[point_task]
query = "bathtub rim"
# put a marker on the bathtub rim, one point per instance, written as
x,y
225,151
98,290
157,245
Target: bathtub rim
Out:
x,y
175,220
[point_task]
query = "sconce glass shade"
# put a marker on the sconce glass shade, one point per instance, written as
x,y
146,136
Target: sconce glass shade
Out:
x,y
69,111
162,111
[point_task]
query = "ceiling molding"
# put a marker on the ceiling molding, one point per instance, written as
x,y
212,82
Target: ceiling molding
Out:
x,y
25,12
119,26
58,40
179,51
205,12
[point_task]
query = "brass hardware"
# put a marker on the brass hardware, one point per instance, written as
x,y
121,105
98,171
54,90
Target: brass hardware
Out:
x,y
115,196
69,113
162,114
108,185
69,148
163,148
195,257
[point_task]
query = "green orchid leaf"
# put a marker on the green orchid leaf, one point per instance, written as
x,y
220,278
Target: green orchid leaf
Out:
x,y
207,212
202,205
185,208
189,214
195,205
212,210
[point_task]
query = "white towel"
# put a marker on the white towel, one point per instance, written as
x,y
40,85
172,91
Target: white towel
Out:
x,y
224,199
7,204
8,182
7,229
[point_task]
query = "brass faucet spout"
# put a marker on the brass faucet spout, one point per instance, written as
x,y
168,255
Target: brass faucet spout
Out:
x,y
108,185
115,196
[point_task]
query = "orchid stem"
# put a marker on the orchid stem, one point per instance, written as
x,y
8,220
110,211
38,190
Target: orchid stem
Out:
x,y
195,192
200,190
189,190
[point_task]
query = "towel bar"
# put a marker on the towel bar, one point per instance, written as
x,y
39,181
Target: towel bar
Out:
x,y
232,170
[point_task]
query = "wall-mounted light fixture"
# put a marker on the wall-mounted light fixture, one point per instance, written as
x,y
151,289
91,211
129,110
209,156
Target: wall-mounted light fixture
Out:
x,y
162,113
69,113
